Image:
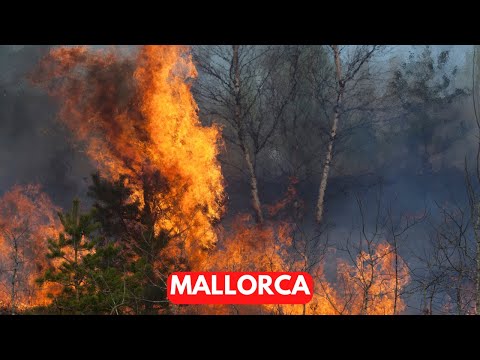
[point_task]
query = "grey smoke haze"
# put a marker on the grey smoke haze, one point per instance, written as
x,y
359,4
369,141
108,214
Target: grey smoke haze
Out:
x,y
35,148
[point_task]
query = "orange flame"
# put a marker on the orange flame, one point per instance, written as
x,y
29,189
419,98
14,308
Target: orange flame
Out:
x,y
371,285
137,116
27,219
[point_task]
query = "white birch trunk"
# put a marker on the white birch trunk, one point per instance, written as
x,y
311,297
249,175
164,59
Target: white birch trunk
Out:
x,y
333,134
256,204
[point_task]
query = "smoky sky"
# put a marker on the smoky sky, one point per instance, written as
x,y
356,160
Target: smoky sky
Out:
x,y
34,147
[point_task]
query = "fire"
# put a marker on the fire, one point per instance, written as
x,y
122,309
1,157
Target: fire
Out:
x,y
250,247
27,219
137,117
371,285
375,282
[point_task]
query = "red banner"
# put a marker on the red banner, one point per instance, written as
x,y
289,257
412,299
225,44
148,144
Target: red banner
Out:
x,y
240,287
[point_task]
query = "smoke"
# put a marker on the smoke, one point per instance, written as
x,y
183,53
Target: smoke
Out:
x,y
34,147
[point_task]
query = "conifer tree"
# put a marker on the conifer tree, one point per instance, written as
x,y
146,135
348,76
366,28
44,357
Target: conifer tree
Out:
x,y
68,268
131,228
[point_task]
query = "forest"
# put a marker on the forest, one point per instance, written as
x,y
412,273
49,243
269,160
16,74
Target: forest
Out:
x,y
359,164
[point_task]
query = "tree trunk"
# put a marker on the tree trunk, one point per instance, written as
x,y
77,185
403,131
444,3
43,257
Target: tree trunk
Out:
x,y
257,207
458,292
365,301
475,202
16,263
395,291
149,289
333,134
477,312
477,240
76,237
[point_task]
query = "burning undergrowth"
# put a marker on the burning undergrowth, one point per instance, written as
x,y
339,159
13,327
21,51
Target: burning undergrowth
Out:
x,y
136,117
27,219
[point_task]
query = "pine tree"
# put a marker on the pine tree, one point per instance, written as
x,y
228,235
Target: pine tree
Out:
x,y
131,227
68,268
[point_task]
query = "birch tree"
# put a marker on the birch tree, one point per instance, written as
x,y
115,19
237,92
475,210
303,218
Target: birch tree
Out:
x,y
303,131
233,90
240,125
472,191
345,72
